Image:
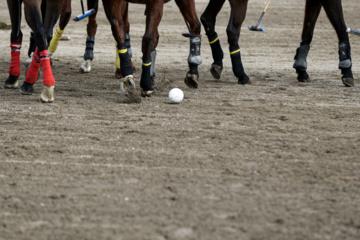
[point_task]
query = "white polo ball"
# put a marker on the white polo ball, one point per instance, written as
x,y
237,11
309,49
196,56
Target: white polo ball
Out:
x,y
176,95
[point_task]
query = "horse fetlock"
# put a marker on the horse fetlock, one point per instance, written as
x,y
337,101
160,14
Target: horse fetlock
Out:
x,y
300,57
344,55
47,95
89,49
85,66
195,46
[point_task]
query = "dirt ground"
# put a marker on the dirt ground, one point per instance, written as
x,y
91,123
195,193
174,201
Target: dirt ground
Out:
x,y
276,159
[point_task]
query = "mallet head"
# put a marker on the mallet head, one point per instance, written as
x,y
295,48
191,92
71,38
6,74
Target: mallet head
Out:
x,y
256,28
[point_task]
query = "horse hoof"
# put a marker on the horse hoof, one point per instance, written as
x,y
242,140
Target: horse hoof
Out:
x,y
86,66
191,80
348,82
244,80
27,88
216,70
11,82
146,93
127,82
47,95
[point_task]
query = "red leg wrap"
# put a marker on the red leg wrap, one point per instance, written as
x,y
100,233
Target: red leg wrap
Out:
x,y
48,77
33,72
15,59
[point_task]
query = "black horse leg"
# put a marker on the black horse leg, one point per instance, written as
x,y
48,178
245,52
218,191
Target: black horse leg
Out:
x,y
237,16
334,12
312,11
187,8
113,10
208,19
16,41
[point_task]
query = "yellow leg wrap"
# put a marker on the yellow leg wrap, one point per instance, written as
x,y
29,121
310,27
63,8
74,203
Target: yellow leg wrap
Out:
x,y
117,59
55,40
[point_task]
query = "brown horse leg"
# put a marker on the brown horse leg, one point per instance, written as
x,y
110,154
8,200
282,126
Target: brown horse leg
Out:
x,y
149,42
312,11
64,20
114,11
237,16
16,40
90,39
187,8
124,7
334,12
208,19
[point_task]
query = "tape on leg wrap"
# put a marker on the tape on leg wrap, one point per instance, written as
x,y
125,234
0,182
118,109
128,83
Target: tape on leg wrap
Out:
x,y
344,55
125,64
33,71
195,45
152,68
216,50
237,66
300,57
128,44
89,50
15,59
146,83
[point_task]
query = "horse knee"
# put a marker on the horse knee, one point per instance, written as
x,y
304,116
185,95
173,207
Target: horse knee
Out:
x,y
208,24
233,35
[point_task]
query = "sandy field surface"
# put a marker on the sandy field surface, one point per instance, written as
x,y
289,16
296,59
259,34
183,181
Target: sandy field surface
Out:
x,y
277,159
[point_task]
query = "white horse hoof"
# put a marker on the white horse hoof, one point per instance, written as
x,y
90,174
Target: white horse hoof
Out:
x,y
47,95
86,66
127,82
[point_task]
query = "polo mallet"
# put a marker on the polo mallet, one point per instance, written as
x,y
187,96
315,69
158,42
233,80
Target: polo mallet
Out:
x,y
353,31
84,14
257,27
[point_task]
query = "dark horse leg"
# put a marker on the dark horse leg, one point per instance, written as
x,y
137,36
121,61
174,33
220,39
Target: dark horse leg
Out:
x,y
334,12
41,57
187,9
63,21
237,16
154,12
115,10
90,39
16,41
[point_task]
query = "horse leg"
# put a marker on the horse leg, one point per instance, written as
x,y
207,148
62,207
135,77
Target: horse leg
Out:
x,y
187,9
334,12
64,20
312,11
208,19
154,12
113,13
237,16
16,41
90,39
124,6
41,56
